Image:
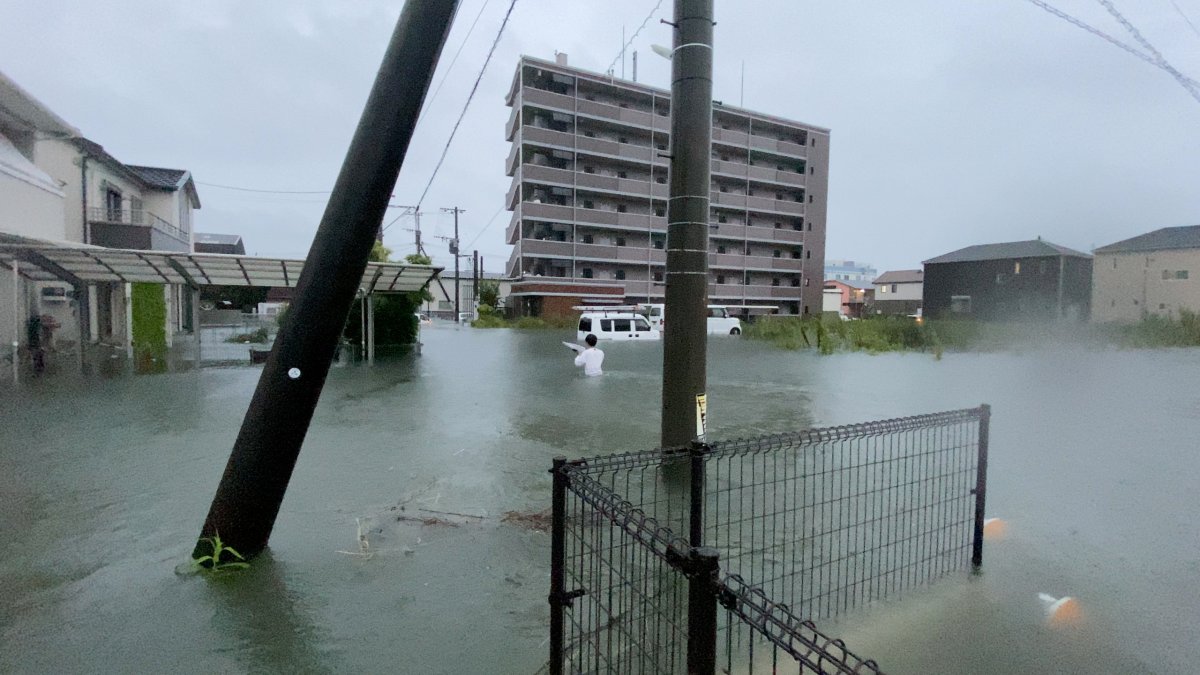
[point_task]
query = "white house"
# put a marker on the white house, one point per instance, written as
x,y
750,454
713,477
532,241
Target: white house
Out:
x,y
1157,273
899,292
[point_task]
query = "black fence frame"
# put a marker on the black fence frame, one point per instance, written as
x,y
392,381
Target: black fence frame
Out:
x,y
938,494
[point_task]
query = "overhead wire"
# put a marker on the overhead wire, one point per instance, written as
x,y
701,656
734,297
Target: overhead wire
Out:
x,y
1079,23
270,192
633,37
446,73
485,227
1185,18
470,97
1161,60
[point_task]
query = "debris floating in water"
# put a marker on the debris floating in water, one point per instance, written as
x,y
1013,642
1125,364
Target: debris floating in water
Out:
x,y
994,528
1062,611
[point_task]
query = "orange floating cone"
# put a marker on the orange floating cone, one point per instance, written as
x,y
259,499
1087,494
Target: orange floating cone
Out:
x,y
994,528
1062,611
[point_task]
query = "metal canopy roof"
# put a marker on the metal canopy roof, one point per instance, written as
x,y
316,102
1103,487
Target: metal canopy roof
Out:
x,y
75,263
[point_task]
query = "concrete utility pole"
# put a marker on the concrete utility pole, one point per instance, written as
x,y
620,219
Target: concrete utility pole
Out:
x,y
685,343
454,251
247,501
475,274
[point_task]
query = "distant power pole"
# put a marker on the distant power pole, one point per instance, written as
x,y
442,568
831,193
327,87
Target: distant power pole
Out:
x,y
454,252
416,214
475,274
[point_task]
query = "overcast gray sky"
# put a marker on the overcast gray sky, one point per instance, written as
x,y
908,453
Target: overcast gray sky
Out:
x,y
954,122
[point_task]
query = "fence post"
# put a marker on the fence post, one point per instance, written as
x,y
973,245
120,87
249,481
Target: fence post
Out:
x,y
557,561
703,565
980,491
697,450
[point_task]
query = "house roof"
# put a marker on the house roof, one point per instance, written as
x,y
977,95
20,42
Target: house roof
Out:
x,y
165,179
1164,239
859,285
901,277
20,109
1034,248
214,238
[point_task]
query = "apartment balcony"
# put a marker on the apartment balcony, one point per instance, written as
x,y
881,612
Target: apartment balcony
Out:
x,y
135,229
761,292
616,113
513,160
514,122
740,139
514,226
546,248
754,262
793,208
547,99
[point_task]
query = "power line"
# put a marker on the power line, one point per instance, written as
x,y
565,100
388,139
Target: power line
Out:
x,y
272,192
1185,18
1108,38
1159,59
485,227
446,73
634,37
461,115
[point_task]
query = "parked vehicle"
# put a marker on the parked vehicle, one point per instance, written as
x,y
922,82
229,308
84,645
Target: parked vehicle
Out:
x,y
615,325
719,320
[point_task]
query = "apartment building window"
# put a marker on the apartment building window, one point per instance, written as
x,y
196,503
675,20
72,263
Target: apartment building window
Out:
x,y
1181,274
748,249
622,139
893,288
587,239
808,255
589,169
661,146
795,282
619,275
621,174
810,171
795,255
589,97
620,241
112,203
1017,267
777,253
589,204
809,199
1177,274
661,180
746,279
721,218
589,134
658,242
586,273
660,211
720,249
135,210
621,208
774,281
720,278
658,276
960,304
779,226
779,196
806,282
810,227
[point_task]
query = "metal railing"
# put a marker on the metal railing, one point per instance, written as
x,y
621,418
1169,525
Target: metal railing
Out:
x,y
783,530
140,217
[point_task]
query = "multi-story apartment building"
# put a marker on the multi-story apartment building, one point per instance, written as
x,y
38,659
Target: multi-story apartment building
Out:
x,y
589,196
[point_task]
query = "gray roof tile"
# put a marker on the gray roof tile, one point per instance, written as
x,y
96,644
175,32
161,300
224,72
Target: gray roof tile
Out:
x,y
1034,248
901,277
1164,239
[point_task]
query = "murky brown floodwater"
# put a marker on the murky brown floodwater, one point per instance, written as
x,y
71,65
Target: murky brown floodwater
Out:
x,y
104,485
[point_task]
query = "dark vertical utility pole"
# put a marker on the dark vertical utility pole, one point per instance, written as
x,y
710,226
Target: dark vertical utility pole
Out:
x,y
247,501
558,553
475,274
454,251
685,345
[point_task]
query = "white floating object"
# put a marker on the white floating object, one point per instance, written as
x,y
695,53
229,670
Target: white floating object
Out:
x,y
572,346
994,528
1062,611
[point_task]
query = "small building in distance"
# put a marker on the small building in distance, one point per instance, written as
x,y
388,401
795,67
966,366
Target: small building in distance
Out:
x,y
1012,281
209,242
856,297
851,271
1150,274
899,292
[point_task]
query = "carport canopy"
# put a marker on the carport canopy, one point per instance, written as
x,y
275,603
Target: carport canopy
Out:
x,y
74,263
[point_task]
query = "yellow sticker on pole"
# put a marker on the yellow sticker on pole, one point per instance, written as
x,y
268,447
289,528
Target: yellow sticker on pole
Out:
x,y
701,415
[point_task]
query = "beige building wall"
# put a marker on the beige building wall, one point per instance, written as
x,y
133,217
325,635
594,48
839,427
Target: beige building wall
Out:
x,y
1126,285
904,291
60,159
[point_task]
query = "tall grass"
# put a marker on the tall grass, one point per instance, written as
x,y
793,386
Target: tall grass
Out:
x,y
887,334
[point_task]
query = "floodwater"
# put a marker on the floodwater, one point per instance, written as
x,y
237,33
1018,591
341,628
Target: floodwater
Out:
x,y
105,483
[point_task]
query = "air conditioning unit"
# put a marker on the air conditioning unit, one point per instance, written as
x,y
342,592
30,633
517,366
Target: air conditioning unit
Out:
x,y
56,294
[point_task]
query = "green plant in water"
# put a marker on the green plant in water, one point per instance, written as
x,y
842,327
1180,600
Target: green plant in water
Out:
x,y
214,563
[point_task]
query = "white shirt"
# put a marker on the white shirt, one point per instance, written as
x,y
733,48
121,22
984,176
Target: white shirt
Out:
x,y
590,359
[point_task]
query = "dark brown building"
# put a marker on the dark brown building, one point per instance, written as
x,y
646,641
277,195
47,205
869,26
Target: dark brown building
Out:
x,y
1014,281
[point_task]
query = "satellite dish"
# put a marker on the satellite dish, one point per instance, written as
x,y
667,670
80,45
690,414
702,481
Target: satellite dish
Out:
x,y
662,51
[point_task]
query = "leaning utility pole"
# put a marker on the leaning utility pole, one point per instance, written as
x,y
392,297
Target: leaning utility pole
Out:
x,y
454,251
685,343
247,501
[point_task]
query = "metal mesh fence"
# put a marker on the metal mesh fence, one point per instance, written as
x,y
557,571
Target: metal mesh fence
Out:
x,y
803,526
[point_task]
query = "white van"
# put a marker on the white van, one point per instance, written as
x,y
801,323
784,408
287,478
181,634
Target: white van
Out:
x,y
622,326
719,321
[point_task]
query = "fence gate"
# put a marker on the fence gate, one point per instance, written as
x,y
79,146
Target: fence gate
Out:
x,y
782,531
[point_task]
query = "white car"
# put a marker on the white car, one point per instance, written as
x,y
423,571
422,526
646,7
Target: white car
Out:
x,y
616,326
719,321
